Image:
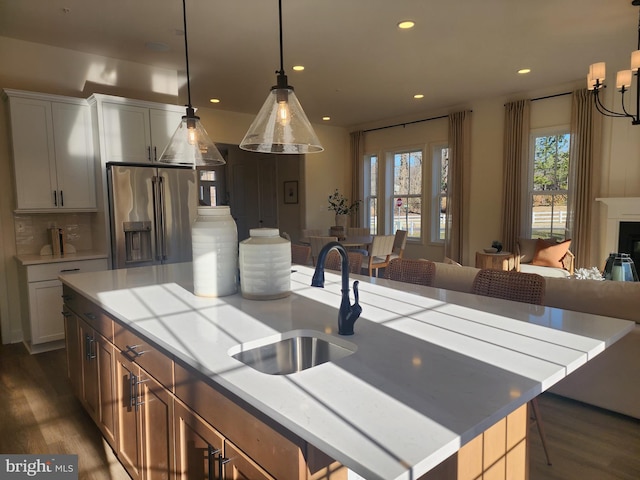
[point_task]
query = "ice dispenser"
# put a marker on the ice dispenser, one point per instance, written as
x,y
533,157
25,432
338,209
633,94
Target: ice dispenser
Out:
x,y
137,237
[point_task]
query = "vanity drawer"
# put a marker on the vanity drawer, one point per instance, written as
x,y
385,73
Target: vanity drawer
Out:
x,y
140,351
51,271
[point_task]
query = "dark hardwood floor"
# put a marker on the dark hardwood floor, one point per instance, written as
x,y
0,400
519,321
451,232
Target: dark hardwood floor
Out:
x,y
39,414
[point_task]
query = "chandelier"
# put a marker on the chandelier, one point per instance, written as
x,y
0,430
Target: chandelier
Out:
x,y
595,83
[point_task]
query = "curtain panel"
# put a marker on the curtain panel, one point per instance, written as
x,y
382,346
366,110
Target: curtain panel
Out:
x,y
515,155
357,154
459,155
584,163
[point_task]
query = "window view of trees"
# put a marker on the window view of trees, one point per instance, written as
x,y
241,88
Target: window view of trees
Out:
x,y
440,184
407,192
372,198
550,186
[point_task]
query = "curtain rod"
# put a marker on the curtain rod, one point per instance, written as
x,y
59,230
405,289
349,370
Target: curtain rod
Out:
x,y
551,96
405,123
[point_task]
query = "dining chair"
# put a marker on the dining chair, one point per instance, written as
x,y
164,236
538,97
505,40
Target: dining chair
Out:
x,y
334,261
317,242
521,287
379,253
419,272
300,254
310,232
399,243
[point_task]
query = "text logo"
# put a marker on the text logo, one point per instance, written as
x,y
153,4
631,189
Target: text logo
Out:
x,y
50,467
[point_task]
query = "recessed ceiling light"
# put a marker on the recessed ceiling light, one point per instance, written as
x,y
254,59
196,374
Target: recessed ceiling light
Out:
x,y
524,71
326,118
214,100
406,24
298,68
418,95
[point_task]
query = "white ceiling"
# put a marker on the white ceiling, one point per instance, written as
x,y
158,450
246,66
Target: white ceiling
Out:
x,y
360,67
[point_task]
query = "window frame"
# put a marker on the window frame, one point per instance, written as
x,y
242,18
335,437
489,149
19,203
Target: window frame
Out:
x,y
528,191
436,194
368,194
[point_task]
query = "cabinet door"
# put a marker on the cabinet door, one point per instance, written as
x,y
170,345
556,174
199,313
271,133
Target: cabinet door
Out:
x,y
198,446
163,125
240,467
129,440
33,153
45,305
74,359
106,389
75,171
156,411
127,133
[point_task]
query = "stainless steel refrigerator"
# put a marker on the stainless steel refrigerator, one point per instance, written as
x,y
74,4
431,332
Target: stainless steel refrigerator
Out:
x,y
151,210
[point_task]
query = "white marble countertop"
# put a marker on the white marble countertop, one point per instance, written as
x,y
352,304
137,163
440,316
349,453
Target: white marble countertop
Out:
x,y
34,259
432,370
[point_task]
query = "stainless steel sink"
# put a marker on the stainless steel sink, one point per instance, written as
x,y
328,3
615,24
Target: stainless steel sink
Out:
x,y
292,351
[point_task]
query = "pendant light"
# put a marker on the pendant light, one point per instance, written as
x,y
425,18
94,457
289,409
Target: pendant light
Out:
x,y
281,125
190,144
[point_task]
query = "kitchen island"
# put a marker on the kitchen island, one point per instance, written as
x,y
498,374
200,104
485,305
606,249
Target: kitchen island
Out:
x,y
432,369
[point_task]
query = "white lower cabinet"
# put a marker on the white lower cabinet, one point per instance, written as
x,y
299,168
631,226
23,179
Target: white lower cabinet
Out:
x,y
41,295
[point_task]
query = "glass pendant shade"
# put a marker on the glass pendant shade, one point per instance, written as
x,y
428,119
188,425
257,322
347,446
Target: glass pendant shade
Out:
x,y
281,126
190,145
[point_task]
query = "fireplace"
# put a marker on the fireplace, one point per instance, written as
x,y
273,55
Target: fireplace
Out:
x,y
629,240
622,233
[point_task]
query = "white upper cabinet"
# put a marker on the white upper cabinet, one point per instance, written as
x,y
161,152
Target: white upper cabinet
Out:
x,y
135,133
52,152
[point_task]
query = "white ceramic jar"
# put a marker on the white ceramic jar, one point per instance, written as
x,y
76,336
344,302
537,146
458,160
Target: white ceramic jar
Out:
x,y
214,238
265,265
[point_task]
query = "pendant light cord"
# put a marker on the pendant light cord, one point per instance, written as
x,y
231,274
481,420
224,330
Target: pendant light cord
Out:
x,y
186,49
281,49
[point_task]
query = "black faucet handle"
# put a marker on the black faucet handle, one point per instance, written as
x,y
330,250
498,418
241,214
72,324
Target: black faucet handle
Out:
x,y
355,309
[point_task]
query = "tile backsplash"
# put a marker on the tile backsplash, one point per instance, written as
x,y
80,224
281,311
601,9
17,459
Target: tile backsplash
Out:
x,y
32,231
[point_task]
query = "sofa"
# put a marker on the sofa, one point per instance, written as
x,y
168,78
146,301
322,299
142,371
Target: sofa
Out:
x,y
610,380
546,257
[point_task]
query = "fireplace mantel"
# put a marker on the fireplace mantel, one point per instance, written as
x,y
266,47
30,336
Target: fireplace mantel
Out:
x,y
619,209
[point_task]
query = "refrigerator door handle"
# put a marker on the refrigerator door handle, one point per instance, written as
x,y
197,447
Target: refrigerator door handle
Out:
x,y
163,214
157,218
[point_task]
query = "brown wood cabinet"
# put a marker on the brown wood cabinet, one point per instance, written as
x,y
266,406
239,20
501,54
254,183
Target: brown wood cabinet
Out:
x,y
164,421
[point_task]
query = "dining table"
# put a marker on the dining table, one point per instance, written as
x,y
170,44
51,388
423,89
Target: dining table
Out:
x,y
359,241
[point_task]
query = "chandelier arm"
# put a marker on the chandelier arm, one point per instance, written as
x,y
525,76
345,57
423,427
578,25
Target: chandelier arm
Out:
x,y
624,109
604,110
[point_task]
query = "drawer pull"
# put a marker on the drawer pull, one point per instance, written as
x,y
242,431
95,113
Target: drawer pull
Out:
x,y
88,347
132,349
70,270
90,316
67,298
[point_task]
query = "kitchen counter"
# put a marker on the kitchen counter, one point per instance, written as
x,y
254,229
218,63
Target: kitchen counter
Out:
x,y
432,370
34,259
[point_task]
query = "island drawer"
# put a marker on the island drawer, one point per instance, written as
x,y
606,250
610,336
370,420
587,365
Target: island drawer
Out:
x,y
136,349
93,315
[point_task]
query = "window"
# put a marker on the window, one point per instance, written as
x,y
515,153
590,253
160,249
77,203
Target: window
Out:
x,y
371,192
439,189
211,186
549,184
407,193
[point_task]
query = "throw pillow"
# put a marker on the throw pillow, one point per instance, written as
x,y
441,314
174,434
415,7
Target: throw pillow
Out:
x,y
451,261
550,254
527,249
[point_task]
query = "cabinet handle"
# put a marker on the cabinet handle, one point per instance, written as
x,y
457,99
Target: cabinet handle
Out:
x,y
61,199
132,349
149,152
66,298
69,270
155,154
88,347
90,316
65,314
210,459
55,198
134,397
222,462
